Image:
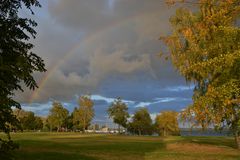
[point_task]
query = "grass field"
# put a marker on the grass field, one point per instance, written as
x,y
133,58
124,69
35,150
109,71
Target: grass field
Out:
x,y
75,146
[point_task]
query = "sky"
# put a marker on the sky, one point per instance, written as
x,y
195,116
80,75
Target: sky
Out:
x,y
106,48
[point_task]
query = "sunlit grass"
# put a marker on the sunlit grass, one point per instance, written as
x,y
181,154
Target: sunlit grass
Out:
x,y
75,146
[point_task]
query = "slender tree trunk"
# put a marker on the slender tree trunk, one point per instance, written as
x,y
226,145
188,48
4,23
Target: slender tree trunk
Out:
x,y
237,139
139,132
84,125
119,129
164,132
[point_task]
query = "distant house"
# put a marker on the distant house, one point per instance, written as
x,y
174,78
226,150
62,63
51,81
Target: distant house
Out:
x,y
90,131
104,130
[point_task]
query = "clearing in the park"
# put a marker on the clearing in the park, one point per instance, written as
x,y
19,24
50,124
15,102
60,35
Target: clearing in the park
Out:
x,y
76,146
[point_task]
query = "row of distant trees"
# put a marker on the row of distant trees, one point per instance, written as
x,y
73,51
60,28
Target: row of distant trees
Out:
x,y
59,119
80,119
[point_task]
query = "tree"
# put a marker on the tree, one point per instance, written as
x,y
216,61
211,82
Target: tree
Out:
x,y
17,62
166,123
118,112
141,122
83,115
69,122
28,121
38,123
204,47
76,119
58,116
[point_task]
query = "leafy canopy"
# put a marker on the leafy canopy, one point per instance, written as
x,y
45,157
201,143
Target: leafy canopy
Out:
x,y
58,116
83,115
141,122
205,48
118,112
28,120
17,62
166,123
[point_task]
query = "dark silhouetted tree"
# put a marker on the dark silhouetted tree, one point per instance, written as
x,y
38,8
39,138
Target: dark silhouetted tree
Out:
x,y
17,62
28,120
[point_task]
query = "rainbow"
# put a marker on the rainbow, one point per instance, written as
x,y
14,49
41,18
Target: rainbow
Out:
x,y
84,42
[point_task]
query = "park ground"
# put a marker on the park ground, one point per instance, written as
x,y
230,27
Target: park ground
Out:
x,y
76,146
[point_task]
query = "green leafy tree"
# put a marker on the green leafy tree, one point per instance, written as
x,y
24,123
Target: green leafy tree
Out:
x,y
69,122
118,112
166,123
48,124
141,122
58,116
28,121
76,119
17,62
83,115
204,47
38,123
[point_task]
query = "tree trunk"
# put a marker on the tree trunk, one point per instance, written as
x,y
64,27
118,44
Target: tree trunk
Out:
x,y
139,132
237,139
84,125
119,129
164,132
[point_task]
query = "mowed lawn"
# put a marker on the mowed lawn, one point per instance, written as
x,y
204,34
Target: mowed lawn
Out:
x,y
75,146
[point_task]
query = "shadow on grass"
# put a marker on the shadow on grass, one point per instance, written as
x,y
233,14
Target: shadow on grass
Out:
x,y
108,147
100,147
218,141
50,156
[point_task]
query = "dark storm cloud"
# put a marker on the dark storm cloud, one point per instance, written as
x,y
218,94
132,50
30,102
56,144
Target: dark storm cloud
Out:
x,y
94,14
108,48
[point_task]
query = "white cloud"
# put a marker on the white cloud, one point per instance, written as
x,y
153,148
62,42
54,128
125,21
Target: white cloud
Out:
x,y
108,100
38,108
161,100
99,98
165,99
179,88
143,104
